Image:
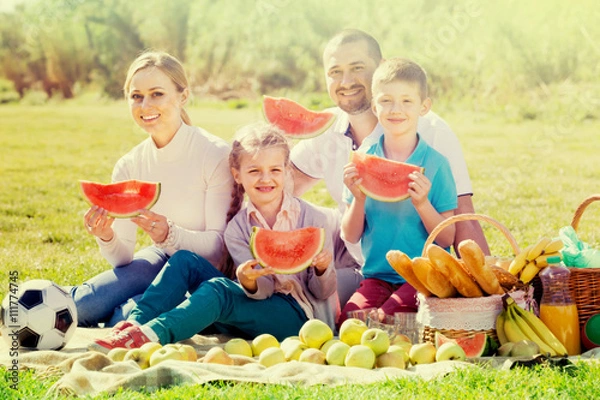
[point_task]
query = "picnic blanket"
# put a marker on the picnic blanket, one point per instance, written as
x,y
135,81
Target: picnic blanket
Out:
x,y
84,372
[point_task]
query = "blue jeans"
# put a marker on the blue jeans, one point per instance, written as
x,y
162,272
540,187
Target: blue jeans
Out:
x,y
216,301
101,298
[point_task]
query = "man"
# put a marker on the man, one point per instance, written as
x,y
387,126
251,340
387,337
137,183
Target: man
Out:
x,y
349,60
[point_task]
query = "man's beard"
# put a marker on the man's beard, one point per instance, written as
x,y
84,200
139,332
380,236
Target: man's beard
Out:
x,y
355,108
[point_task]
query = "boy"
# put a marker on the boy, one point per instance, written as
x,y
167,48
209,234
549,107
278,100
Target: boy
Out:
x,y
399,89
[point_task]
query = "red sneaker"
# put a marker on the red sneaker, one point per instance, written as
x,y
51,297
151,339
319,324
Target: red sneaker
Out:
x,y
121,326
129,338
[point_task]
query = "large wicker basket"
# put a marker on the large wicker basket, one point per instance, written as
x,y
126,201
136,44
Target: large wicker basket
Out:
x,y
585,282
476,305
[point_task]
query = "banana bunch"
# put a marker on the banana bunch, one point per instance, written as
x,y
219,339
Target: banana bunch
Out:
x,y
532,259
515,323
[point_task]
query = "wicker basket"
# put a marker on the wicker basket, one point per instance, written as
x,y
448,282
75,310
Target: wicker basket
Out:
x,y
585,282
490,311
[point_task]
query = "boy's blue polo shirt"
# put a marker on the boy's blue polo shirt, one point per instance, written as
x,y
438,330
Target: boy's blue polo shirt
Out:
x,y
397,226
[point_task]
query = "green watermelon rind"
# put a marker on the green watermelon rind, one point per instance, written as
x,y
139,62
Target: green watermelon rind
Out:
x,y
471,352
149,204
296,135
386,199
285,271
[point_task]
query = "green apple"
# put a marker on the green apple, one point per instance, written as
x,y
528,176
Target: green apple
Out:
x,y
422,353
450,351
525,348
271,356
336,353
351,331
391,359
315,332
377,339
143,354
187,351
293,349
164,354
312,355
238,346
288,339
117,354
403,351
217,355
262,342
360,356
328,344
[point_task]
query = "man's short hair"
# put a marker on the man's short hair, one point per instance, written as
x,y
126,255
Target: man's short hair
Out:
x,y
355,35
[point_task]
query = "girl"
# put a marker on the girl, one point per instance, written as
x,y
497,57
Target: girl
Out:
x,y
196,183
261,302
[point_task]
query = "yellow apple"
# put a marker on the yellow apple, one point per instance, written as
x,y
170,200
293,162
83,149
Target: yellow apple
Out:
x,y
390,359
293,349
143,354
336,353
394,348
117,354
400,338
271,356
328,344
314,333
262,342
422,353
360,356
450,351
288,339
216,355
187,351
238,346
351,331
312,355
164,354
377,339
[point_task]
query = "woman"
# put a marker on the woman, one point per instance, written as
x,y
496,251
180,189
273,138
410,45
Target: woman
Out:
x,y
191,165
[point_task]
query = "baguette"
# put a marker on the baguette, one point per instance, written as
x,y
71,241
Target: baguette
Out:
x,y
474,261
403,265
435,281
448,265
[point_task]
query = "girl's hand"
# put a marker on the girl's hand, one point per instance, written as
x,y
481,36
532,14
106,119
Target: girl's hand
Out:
x,y
352,180
98,223
247,274
419,188
155,225
322,261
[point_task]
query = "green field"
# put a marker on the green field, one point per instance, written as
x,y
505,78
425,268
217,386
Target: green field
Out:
x,y
530,176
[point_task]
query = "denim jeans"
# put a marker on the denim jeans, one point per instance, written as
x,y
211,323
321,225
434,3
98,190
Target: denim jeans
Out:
x,y
101,298
214,300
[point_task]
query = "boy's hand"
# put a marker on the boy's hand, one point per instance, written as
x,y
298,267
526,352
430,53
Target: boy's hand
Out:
x,y
352,180
419,188
247,274
322,261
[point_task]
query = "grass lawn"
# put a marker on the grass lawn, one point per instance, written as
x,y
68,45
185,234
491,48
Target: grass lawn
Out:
x,y
530,176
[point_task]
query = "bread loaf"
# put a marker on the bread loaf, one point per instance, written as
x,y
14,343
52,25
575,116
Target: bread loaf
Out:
x,y
435,281
448,265
403,265
474,261
507,280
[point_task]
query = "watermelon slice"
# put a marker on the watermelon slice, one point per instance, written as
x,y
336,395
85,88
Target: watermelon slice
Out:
x,y
296,121
474,345
121,199
383,179
286,252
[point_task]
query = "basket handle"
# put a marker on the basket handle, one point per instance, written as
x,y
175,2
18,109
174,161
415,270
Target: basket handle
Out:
x,y
581,209
466,217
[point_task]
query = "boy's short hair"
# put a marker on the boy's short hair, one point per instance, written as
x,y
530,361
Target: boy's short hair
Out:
x,y
400,69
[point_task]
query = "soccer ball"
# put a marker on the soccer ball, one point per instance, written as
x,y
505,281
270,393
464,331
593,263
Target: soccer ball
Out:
x,y
39,316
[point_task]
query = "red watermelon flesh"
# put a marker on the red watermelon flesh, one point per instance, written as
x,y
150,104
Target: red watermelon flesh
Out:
x,y
295,120
474,345
383,179
121,199
287,252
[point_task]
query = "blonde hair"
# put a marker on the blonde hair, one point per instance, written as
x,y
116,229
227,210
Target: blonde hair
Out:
x,y
400,69
249,141
168,64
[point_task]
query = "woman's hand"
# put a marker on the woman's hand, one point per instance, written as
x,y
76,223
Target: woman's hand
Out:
x,y
247,274
322,261
99,224
155,225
